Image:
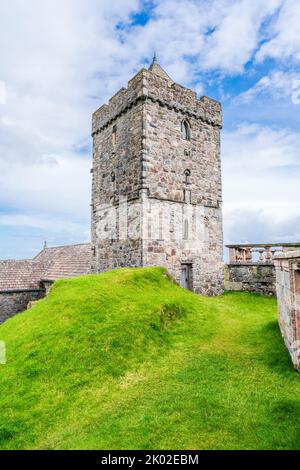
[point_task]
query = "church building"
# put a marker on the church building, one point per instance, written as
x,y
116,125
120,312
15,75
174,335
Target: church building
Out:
x,y
156,192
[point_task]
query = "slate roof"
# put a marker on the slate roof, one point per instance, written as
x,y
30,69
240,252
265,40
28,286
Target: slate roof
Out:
x,y
50,264
158,70
18,275
64,261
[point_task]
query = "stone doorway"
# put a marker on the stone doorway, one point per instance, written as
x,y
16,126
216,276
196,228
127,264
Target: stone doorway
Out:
x,y
186,276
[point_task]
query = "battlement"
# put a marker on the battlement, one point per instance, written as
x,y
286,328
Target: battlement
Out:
x,y
184,100
120,102
155,85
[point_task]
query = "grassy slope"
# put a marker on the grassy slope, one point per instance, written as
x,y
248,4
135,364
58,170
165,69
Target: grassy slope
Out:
x,y
129,360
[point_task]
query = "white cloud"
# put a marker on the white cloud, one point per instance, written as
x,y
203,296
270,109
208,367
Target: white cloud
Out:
x,y
2,92
54,184
261,171
285,34
53,226
218,35
237,36
277,85
59,61
258,226
260,148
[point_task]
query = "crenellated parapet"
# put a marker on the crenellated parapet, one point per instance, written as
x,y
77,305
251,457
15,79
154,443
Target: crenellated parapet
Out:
x,y
183,100
120,103
158,88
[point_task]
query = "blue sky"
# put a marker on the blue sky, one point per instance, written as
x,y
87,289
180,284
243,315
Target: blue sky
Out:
x,y
60,60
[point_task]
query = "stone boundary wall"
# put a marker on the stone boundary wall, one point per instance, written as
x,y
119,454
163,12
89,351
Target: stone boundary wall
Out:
x,y
288,299
15,302
252,277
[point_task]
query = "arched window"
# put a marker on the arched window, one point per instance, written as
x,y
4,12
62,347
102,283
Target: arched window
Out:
x,y
185,130
187,176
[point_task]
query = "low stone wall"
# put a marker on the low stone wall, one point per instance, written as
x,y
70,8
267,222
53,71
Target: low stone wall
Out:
x,y
15,302
288,299
252,277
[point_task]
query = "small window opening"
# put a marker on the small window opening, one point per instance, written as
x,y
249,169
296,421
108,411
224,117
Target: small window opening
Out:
x,y
114,135
113,180
185,130
187,177
186,230
187,196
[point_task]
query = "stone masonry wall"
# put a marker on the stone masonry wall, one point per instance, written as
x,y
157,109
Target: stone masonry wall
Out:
x,y
167,155
139,161
258,278
178,233
288,300
117,160
117,236
194,205
15,302
120,158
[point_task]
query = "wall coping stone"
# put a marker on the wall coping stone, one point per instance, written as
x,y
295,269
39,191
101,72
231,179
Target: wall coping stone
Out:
x,y
288,254
271,264
17,291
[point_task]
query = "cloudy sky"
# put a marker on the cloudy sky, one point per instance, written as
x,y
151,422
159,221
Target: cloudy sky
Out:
x,y
61,59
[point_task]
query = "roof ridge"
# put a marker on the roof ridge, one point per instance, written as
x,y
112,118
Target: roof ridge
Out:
x,y
52,263
64,246
60,246
17,260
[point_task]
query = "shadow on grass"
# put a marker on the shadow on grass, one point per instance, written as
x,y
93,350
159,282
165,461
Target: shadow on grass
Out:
x,y
289,411
273,352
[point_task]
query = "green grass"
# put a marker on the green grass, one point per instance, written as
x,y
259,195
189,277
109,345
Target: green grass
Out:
x,y
127,359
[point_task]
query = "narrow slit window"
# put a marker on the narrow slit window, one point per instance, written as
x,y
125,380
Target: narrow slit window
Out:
x,y
186,230
187,196
113,181
114,135
185,130
187,177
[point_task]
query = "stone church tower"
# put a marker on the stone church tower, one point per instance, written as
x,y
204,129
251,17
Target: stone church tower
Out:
x,y
156,192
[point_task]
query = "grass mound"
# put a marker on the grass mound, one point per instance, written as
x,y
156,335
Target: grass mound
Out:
x,y
127,359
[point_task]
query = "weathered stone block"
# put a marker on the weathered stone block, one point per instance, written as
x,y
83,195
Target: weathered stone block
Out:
x,y
258,278
15,302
